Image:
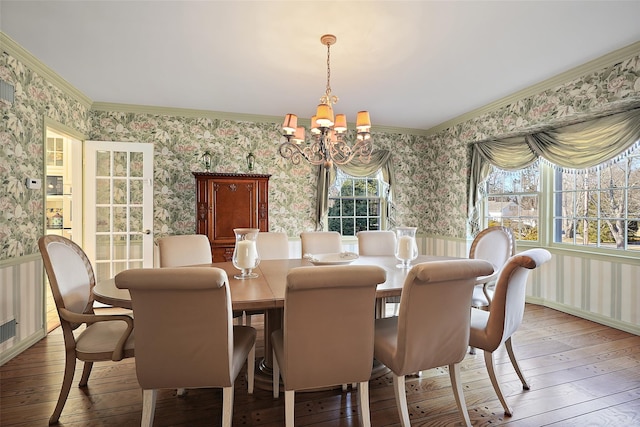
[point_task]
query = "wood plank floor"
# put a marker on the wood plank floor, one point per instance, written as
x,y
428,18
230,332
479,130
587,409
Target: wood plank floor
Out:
x,y
581,374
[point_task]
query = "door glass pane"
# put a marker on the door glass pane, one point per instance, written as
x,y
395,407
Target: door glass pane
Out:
x,y
135,192
103,196
136,164
103,219
119,163
135,246
135,219
103,246
119,219
119,191
103,163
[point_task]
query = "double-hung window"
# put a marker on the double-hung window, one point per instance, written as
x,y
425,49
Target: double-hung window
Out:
x,y
357,203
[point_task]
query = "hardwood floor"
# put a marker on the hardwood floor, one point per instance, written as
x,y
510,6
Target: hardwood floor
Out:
x,y
581,373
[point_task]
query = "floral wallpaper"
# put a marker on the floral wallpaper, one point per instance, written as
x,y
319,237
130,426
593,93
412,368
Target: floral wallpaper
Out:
x,y
431,171
21,153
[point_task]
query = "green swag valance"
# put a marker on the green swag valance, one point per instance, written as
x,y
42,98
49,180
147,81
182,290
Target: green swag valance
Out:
x,y
583,146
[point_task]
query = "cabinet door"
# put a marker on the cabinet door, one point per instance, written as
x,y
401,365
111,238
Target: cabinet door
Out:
x,y
234,205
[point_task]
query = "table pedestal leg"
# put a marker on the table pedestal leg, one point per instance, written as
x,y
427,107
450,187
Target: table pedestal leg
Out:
x,y
264,366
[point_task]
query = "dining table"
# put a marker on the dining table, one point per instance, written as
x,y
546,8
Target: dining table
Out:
x,y
267,292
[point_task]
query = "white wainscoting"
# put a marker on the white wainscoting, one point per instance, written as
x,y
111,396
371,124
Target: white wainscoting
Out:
x,y
22,299
600,288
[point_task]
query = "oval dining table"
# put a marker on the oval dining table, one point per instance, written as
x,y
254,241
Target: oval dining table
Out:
x,y
266,292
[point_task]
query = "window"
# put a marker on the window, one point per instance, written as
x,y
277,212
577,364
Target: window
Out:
x,y
599,208
356,204
512,201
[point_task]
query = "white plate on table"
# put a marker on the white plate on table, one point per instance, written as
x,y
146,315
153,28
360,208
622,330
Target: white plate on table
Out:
x,y
332,259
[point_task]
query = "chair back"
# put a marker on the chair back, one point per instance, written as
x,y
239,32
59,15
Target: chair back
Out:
x,y
183,326
434,316
376,243
329,325
70,274
272,245
494,244
507,305
181,250
320,242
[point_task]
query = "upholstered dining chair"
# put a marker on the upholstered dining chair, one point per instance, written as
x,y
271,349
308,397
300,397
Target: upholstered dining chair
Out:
x,y
272,245
490,329
106,337
328,316
376,243
320,242
183,250
185,332
428,333
494,244
379,243
188,250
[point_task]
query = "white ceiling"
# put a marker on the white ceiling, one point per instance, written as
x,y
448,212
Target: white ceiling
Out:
x,y
412,64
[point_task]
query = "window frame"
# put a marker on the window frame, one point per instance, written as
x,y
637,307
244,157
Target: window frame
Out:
x,y
382,198
547,219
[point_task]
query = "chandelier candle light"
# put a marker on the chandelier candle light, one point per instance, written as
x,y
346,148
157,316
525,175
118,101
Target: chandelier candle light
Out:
x,y
327,143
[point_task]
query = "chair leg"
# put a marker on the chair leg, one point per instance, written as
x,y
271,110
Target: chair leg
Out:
x,y
289,404
514,362
67,379
181,392
456,384
148,407
227,406
247,320
275,384
86,371
251,368
401,400
488,361
363,402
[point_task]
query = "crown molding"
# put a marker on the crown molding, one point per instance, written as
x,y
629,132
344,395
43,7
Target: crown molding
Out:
x,y
221,115
592,66
9,46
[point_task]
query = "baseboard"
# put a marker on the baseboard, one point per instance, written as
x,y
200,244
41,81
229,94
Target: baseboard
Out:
x,y
24,344
603,320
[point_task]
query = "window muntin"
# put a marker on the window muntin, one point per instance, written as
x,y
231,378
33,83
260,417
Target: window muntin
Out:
x,y
356,203
604,202
512,200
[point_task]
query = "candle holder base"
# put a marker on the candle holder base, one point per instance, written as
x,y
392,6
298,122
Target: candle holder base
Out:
x,y
404,264
246,275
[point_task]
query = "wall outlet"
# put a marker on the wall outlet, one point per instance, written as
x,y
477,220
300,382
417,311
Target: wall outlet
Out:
x,y
34,183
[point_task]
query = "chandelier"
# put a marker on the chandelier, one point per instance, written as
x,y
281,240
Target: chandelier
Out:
x,y
327,144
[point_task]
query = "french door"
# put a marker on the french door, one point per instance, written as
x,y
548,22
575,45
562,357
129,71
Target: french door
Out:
x,y
118,210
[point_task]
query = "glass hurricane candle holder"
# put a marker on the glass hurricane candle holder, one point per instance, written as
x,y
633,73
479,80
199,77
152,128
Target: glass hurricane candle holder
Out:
x,y
406,246
245,253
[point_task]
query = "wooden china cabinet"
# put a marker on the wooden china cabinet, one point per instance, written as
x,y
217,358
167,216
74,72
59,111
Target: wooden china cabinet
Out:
x,y
225,201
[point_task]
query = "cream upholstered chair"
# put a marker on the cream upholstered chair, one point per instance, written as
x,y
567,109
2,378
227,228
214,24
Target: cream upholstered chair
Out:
x,y
328,316
490,329
494,244
379,243
429,333
272,245
185,334
376,243
106,337
183,250
187,250
320,242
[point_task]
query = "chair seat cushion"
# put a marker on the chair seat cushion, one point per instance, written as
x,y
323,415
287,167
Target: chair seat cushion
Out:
x,y
100,339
